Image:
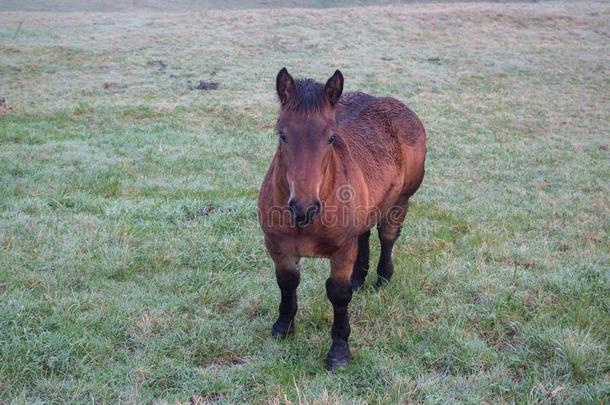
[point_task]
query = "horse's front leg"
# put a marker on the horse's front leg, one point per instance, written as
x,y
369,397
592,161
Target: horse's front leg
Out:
x,y
339,292
287,276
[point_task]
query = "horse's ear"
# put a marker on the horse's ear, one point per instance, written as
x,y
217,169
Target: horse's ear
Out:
x,y
334,87
284,84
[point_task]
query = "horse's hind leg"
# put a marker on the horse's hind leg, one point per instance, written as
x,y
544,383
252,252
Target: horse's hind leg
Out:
x,y
361,267
389,230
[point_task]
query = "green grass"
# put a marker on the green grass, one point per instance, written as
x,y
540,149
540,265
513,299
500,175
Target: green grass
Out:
x,y
132,267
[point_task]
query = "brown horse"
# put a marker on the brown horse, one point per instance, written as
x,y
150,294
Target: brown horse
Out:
x,y
343,164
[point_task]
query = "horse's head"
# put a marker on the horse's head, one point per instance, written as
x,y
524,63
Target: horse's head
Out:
x,y
307,131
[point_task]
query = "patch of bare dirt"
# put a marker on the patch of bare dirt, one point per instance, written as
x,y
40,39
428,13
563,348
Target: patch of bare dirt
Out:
x,y
253,310
158,63
203,399
114,85
204,85
147,323
199,212
538,21
4,108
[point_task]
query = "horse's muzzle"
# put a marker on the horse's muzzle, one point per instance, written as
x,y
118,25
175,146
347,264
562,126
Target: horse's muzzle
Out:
x,y
304,215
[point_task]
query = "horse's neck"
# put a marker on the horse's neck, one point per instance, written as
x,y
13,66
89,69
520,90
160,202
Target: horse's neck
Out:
x,y
335,176
346,173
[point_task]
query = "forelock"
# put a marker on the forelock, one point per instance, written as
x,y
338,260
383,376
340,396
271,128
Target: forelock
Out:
x,y
308,97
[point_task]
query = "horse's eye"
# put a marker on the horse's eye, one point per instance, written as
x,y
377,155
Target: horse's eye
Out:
x,y
332,139
282,135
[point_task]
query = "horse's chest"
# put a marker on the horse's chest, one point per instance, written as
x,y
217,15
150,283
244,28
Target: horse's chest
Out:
x,y
308,246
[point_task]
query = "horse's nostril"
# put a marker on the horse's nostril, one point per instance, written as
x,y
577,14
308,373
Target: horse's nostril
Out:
x,y
313,210
296,209
304,215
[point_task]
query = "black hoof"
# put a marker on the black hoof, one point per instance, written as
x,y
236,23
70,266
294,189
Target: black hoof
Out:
x,y
381,281
282,329
338,356
336,364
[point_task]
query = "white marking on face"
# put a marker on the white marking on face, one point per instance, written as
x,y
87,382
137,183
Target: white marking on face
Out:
x,y
291,187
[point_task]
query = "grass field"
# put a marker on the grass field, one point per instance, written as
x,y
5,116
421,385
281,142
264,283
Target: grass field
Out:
x,y
187,5
132,267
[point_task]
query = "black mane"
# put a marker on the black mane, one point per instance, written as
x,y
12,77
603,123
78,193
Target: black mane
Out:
x,y
308,97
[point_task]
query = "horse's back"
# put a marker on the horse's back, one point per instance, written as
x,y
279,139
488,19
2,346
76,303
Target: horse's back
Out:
x,y
351,106
376,115
385,137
